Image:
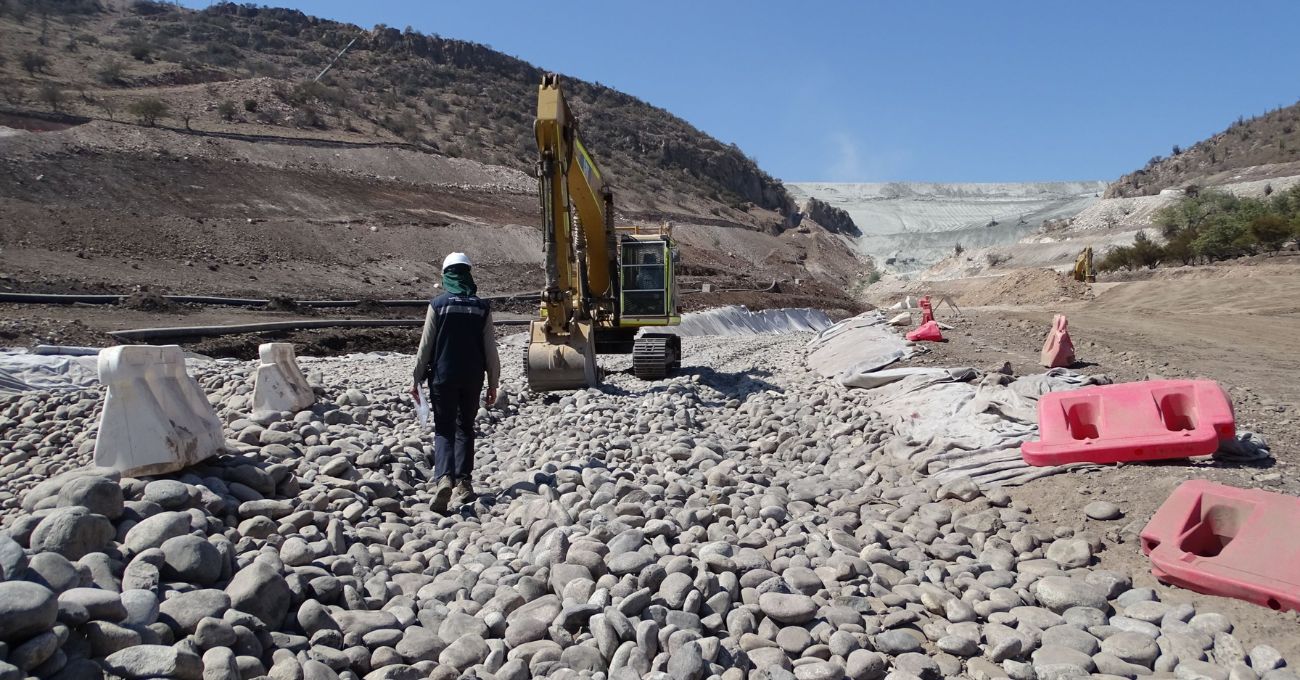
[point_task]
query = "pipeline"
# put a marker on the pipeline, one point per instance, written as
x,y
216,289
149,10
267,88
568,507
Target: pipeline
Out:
x,y
112,299
273,326
771,287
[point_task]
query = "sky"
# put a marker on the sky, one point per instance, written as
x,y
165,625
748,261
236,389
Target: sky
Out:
x,y
921,90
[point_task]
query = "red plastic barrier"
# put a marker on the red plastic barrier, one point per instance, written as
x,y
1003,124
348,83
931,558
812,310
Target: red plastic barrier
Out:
x,y
1058,349
928,331
1131,422
1230,542
927,310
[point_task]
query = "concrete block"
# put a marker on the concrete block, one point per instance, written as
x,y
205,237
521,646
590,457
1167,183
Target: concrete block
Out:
x,y
280,385
156,418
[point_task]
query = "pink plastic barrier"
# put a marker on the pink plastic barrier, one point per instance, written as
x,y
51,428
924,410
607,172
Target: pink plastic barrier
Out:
x,y
927,310
1058,349
928,331
1230,542
1131,422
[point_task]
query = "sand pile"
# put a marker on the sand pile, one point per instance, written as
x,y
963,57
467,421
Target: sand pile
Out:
x,y
1025,287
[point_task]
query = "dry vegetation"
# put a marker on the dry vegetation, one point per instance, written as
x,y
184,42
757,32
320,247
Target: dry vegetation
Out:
x,y
242,69
1273,137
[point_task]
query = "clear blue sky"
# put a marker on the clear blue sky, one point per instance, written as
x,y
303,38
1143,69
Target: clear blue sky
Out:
x,y
906,90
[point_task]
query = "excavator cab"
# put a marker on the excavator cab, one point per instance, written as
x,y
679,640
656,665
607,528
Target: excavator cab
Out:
x,y
647,268
647,272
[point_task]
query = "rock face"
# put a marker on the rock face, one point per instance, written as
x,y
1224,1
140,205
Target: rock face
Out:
x,y
719,523
834,219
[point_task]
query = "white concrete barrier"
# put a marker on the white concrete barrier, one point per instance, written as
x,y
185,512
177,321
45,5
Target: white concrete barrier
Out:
x,y
280,385
156,418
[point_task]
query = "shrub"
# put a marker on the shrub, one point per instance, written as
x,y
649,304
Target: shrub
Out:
x,y
34,63
52,96
148,110
1179,247
1222,239
1144,252
250,105
226,109
1271,231
873,277
306,115
110,73
1119,257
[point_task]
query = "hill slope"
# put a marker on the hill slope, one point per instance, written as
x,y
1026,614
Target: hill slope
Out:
x,y
243,69
255,183
1271,140
915,223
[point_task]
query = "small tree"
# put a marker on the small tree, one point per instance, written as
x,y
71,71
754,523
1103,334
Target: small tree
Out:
x,y
226,109
53,97
110,73
1271,231
148,110
1145,253
109,108
34,63
957,249
1119,257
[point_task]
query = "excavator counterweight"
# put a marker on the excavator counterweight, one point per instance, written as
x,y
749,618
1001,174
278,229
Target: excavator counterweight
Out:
x,y
602,283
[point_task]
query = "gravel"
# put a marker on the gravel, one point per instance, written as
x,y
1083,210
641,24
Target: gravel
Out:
x,y
728,522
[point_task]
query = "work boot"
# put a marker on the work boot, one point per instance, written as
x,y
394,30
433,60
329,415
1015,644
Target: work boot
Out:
x,y
442,495
464,493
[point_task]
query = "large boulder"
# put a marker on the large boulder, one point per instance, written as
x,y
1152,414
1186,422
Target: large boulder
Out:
x,y
26,609
260,590
72,532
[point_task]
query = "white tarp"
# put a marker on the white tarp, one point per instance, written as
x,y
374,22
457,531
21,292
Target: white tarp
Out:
x,y
23,372
857,345
949,424
739,320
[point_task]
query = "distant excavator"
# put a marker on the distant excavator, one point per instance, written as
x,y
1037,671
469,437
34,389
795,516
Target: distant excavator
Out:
x,y
1083,269
603,283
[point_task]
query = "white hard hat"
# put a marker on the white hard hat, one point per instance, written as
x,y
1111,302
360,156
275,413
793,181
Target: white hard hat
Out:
x,y
455,258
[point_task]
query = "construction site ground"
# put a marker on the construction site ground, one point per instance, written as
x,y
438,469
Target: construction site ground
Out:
x,y
1235,325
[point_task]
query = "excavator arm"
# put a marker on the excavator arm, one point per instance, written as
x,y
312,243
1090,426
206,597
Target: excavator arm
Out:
x,y
580,252
580,258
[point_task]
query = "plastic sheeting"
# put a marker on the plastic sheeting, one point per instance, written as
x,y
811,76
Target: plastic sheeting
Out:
x,y
739,320
950,424
24,372
855,346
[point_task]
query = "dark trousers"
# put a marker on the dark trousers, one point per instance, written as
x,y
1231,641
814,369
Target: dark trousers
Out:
x,y
455,404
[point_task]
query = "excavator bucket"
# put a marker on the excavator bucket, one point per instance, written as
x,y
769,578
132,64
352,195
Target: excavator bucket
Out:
x,y
561,362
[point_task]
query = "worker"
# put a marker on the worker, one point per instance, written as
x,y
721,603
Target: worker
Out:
x,y
457,348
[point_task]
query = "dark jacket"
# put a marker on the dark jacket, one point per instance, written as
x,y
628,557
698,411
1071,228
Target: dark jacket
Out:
x,y
458,343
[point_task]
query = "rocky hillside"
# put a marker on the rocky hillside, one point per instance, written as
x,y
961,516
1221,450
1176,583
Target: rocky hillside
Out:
x,y
240,69
1272,139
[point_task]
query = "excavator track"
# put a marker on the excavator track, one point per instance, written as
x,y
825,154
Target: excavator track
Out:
x,y
655,355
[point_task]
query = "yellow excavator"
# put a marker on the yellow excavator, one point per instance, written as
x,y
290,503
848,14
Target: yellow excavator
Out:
x,y
1083,269
603,283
